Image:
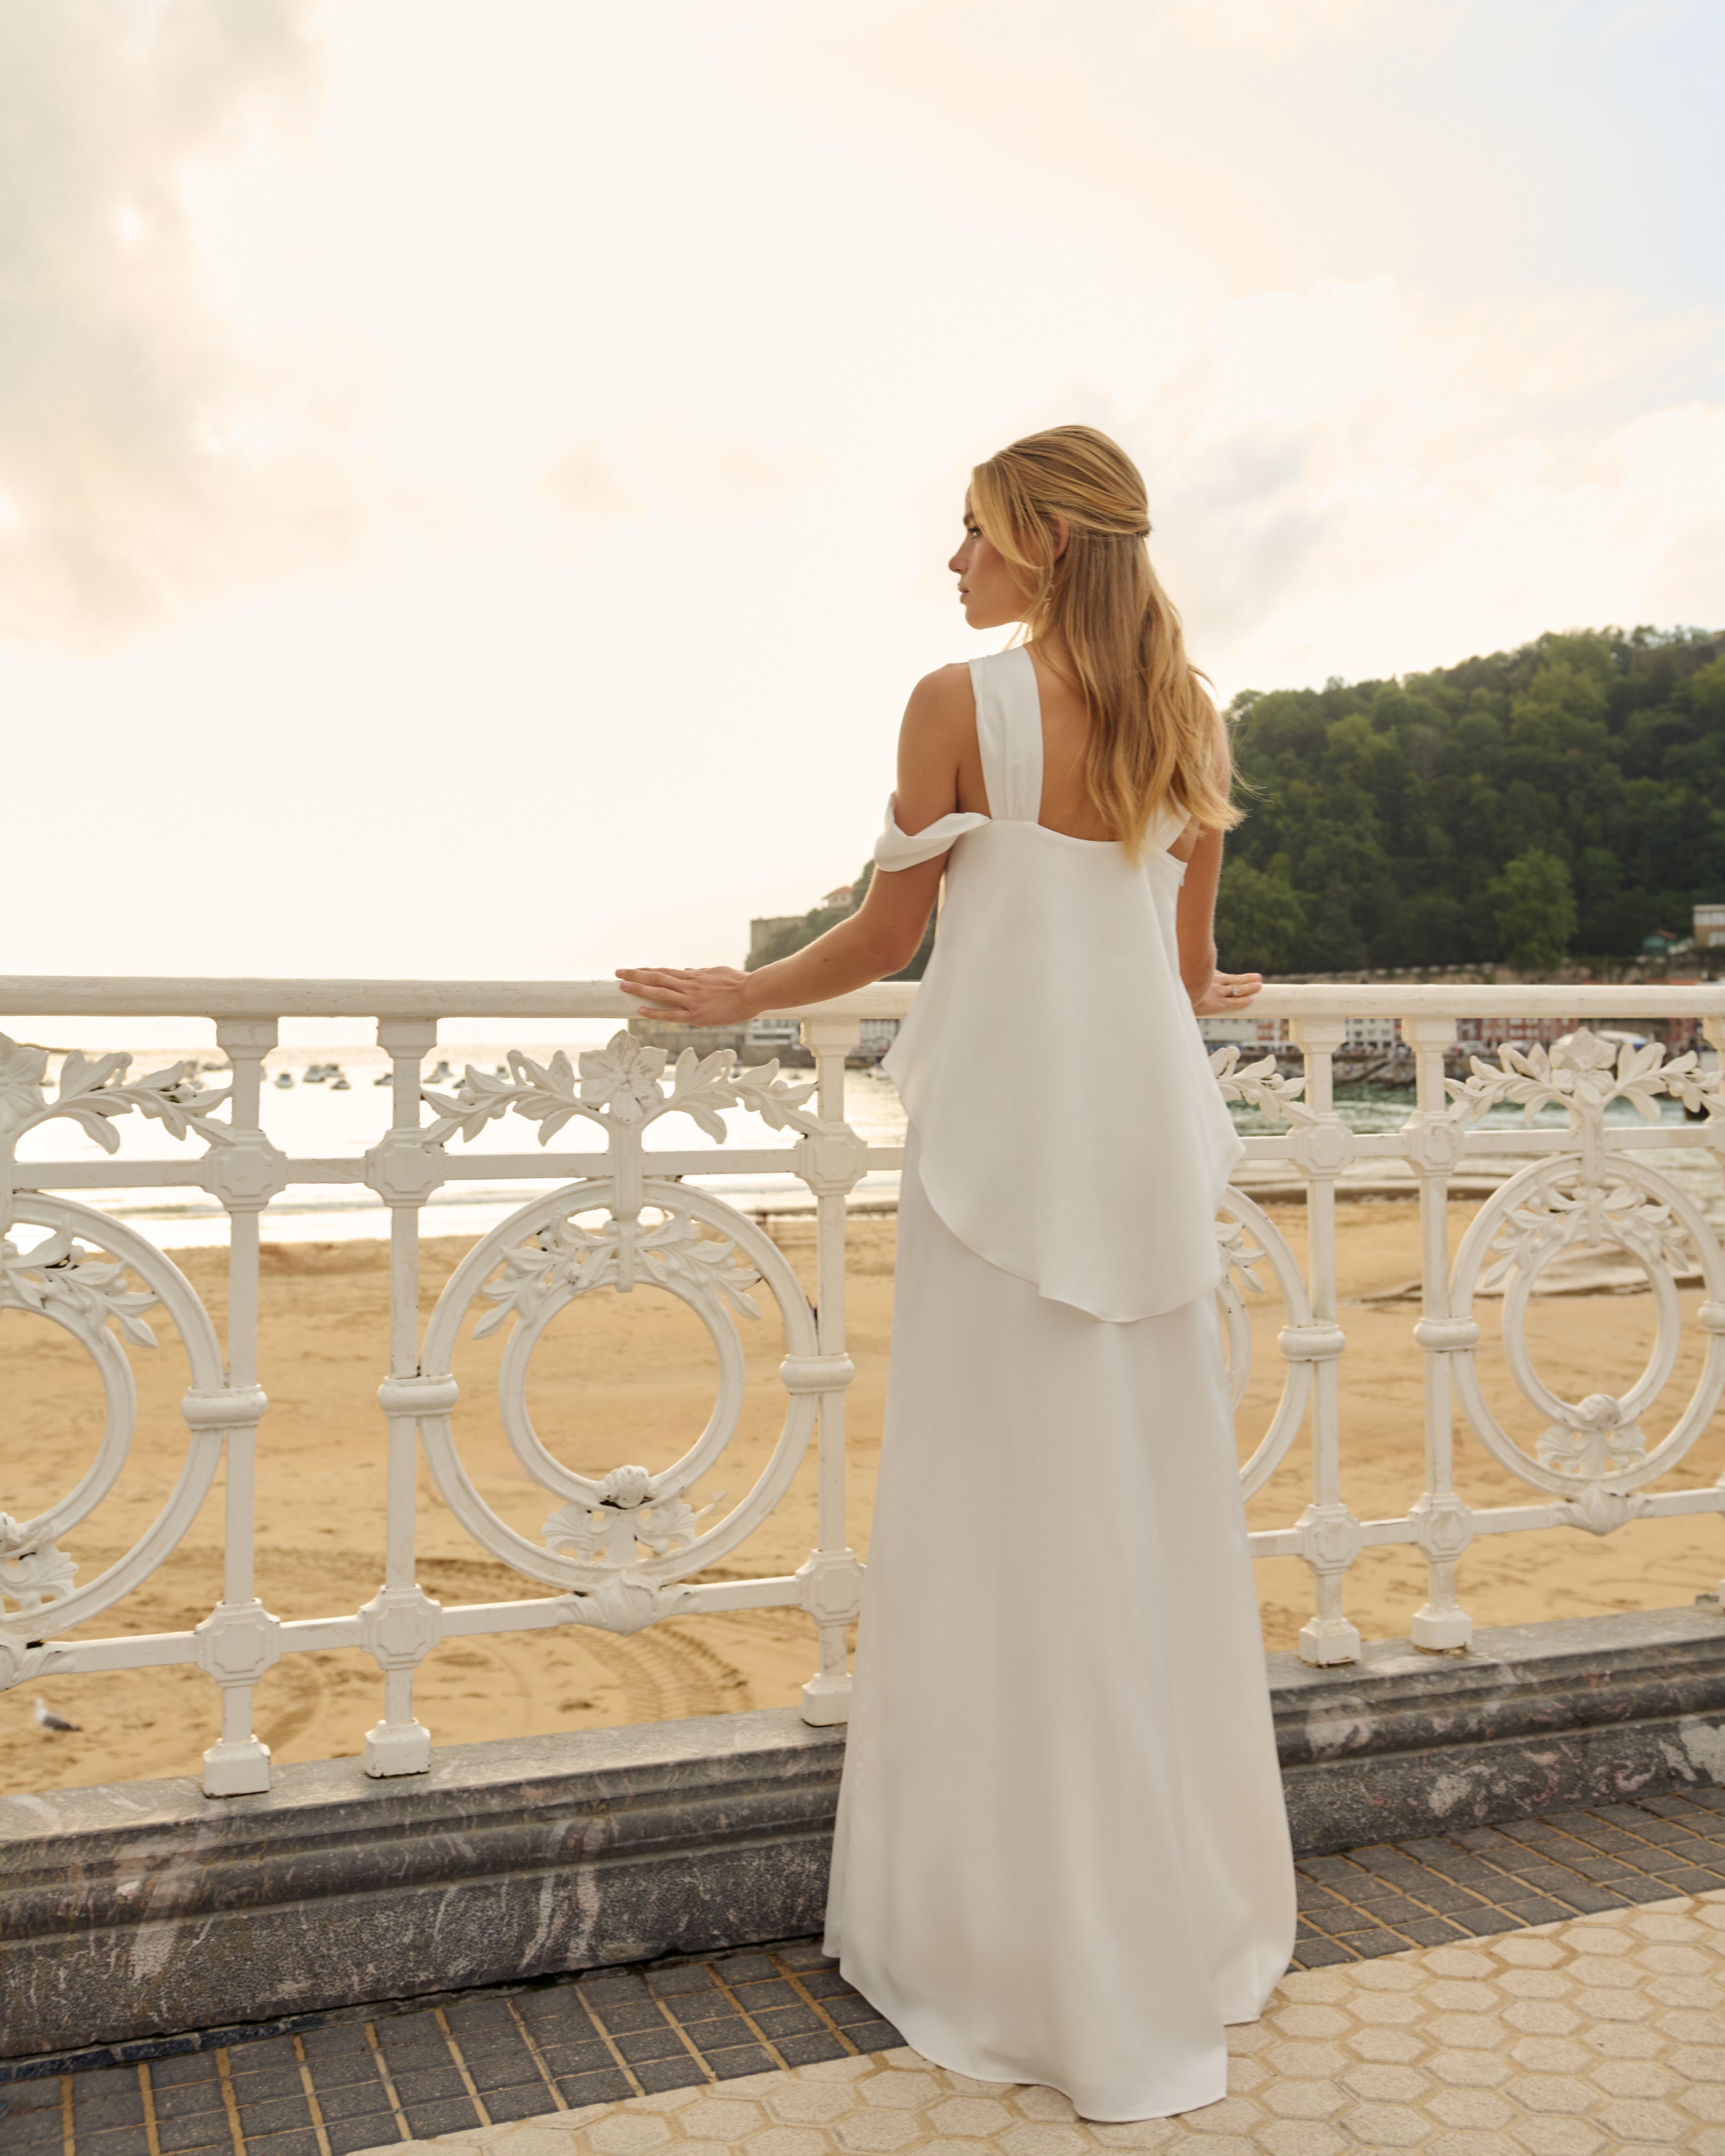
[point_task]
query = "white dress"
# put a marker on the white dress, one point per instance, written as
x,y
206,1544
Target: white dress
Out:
x,y
1061,1854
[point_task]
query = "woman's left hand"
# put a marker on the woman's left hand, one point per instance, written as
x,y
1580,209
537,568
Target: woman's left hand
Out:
x,y
1227,993
703,995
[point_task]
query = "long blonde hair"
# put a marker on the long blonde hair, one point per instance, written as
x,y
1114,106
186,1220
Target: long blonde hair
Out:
x,y
1156,736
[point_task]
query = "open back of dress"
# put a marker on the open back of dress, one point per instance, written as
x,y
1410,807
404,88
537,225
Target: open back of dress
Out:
x,y
1061,1854
1053,1033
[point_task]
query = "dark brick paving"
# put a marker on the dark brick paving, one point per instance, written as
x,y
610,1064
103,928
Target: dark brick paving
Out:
x,y
1440,1887
327,2085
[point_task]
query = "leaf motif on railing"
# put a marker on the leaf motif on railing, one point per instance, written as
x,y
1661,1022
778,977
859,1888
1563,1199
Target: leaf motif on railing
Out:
x,y
1240,1255
32,1577
671,1252
1584,1074
1554,1215
92,1093
631,1510
1598,1438
58,1277
621,1084
1262,1085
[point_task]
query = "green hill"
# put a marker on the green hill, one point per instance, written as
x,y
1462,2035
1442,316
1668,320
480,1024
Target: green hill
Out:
x,y
1565,798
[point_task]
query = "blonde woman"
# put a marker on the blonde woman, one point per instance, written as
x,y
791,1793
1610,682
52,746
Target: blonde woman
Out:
x,y
1061,1854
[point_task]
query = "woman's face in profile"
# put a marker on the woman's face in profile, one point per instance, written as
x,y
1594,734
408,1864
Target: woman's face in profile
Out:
x,y
988,590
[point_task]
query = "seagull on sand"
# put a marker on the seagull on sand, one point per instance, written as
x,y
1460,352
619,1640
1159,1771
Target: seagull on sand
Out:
x,y
56,1724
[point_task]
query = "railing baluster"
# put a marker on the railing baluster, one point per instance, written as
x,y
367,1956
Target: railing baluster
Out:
x,y
401,1624
239,1640
831,1165
1443,1524
1329,1532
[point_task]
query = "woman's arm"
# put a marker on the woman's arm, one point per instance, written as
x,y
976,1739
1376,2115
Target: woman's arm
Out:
x,y
1213,993
882,937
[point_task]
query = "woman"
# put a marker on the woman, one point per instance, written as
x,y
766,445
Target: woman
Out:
x,y
1061,1854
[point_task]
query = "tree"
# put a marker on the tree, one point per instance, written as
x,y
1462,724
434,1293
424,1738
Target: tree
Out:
x,y
1391,811
1533,904
1261,922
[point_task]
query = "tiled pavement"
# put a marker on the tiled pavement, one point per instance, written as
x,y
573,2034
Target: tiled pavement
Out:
x,y
1601,2036
1492,1879
333,2084
343,2082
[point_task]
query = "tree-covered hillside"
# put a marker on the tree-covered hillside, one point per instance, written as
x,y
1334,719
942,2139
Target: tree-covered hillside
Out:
x,y
1564,798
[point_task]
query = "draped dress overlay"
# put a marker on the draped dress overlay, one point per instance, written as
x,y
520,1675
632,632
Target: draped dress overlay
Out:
x,y
1061,1854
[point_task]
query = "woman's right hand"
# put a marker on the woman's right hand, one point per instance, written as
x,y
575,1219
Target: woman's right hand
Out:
x,y
698,995
1227,995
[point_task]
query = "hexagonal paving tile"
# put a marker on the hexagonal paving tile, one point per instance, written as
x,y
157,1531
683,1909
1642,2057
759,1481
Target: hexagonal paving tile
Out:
x,y
1593,2036
978,2115
877,2132
626,2133
787,2141
907,2091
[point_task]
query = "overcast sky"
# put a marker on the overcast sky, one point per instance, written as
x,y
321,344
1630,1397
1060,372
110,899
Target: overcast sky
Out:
x,y
476,475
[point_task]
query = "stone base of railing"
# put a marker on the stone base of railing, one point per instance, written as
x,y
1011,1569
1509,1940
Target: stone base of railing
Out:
x,y
146,1907
1531,1718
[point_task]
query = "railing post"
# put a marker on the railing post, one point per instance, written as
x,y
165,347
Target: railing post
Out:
x,y
239,1640
1330,1534
1713,1033
830,1582
400,1623
1443,1525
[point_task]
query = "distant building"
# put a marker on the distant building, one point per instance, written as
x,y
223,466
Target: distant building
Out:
x,y
1245,1031
674,1039
1524,1031
1709,926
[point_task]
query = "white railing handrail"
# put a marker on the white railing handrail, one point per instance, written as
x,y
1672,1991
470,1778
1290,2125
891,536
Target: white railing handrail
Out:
x,y
161,996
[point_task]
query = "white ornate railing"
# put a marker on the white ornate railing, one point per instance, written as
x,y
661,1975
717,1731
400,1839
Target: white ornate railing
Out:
x,y
622,1550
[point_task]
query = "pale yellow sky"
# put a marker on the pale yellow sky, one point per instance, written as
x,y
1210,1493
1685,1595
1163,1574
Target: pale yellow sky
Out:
x,y
475,478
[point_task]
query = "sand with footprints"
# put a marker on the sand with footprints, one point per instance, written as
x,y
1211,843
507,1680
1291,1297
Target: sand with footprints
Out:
x,y
629,1378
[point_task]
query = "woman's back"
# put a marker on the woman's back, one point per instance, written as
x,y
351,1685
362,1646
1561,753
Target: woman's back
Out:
x,y
1053,944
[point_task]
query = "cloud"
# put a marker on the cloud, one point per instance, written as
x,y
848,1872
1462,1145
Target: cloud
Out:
x,y
723,475
1343,479
153,461
587,486
703,476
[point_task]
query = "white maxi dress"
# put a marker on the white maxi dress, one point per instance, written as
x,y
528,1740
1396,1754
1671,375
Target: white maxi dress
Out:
x,y
1061,1853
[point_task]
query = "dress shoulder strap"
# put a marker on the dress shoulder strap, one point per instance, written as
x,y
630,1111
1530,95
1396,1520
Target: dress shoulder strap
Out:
x,y
1008,732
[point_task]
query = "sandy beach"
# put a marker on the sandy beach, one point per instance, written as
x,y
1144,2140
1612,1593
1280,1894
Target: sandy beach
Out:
x,y
629,1378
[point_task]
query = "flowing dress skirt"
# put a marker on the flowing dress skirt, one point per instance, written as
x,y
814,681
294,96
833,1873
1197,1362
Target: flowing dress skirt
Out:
x,y
1061,1854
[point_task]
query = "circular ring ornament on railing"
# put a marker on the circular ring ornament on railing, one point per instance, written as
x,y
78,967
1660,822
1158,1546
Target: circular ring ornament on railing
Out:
x,y
63,1279
1239,1261
1593,1451
531,1267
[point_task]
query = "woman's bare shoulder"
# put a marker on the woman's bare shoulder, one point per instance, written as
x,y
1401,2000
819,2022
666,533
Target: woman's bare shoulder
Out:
x,y
942,702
